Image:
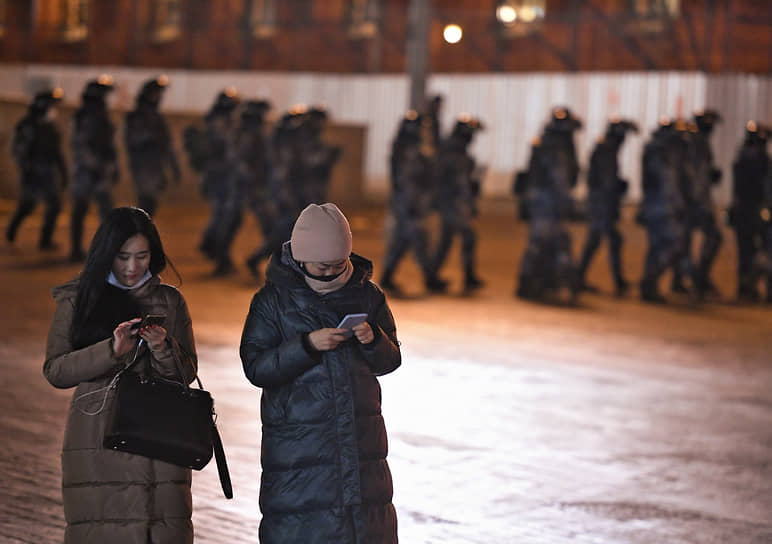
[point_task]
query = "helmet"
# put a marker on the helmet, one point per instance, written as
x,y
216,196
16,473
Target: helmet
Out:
x,y
466,127
97,89
706,120
227,100
563,119
618,128
256,109
44,100
151,91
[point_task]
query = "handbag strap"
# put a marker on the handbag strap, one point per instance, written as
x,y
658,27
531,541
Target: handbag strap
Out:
x,y
219,452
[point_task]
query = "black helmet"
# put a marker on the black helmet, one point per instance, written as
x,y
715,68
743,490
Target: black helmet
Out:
x,y
151,91
706,120
466,127
97,89
756,132
44,100
256,109
618,128
227,100
563,119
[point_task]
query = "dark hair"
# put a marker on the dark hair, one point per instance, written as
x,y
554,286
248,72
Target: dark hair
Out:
x,y
119,225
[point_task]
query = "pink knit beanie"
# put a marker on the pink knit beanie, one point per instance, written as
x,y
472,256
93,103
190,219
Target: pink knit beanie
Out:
x,y
321,235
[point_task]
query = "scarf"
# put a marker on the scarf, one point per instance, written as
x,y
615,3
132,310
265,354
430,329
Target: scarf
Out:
x,y
324,287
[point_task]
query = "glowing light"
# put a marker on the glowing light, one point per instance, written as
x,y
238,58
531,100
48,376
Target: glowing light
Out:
x,y
506,14
452,33
528,14
57,93
163,80
751,126
105,79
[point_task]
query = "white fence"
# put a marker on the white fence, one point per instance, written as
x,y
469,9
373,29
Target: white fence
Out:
x,y
512,106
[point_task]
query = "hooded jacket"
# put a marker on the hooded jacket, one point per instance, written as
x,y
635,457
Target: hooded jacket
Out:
x,y
112,496
325,476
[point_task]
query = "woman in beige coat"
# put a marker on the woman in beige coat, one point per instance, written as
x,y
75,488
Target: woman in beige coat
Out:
x,y
112,496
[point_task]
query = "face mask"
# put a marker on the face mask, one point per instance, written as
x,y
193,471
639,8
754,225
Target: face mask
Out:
x,y
321,278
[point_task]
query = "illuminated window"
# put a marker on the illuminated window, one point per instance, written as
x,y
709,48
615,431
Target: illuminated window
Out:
x,y
74,20
653,16
362,18
167,19
262,18
520,17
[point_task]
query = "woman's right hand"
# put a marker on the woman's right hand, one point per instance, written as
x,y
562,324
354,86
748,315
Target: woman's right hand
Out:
x,y
327,339
124,338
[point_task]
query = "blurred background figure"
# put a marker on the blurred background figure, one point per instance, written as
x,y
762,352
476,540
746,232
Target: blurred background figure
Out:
x,y
149,146
547,269
411,201
209,152
750,201
316,158
250,186
663,209
606,190
94,159
458,189
42,169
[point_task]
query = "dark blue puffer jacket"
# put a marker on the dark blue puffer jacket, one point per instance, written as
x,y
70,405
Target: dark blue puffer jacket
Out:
x,y
325,478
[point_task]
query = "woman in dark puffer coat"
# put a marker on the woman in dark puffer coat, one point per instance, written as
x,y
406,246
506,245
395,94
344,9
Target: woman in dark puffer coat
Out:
x,y
325,478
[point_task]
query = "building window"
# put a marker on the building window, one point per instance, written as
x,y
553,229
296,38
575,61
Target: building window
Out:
x,y
167,19
362,18
520,17
262,18
74,20
653,16
2,18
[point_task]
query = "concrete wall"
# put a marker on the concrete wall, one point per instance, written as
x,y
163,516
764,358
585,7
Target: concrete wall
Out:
x,y
513,107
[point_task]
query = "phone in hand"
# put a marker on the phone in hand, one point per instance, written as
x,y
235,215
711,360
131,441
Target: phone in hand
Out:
x,y
350,321
149,320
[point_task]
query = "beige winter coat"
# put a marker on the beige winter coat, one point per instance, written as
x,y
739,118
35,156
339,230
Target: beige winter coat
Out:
x,y
109,496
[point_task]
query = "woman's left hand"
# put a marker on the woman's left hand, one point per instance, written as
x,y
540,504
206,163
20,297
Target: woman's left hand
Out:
x,y
154,335
364,333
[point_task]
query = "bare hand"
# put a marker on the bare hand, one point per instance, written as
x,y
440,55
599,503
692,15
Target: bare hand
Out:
x,y
364,333
327,339
154,335
124,338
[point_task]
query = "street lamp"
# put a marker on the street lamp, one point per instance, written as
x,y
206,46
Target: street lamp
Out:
x,y
452,33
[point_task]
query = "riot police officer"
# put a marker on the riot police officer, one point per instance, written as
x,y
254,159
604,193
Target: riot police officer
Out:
x,y
94,157
210,151
547,267
751,170
149,145
699,175
42,169
316,158
457,192
412,197
663,208
606,190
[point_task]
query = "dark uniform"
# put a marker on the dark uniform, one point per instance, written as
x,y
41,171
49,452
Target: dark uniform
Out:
x,y
316,158
700,175
606,190
149,146
210,152
412,199
547,265
751,170
663,209
457,193
42,169
94,158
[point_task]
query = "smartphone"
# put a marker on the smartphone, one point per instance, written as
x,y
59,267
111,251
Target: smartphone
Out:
x,y
149,320
352,320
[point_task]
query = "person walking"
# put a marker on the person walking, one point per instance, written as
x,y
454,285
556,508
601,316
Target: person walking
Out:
x,y
42,169
109,495
325,476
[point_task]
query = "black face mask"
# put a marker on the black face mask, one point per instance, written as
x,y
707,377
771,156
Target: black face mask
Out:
x,y
321,278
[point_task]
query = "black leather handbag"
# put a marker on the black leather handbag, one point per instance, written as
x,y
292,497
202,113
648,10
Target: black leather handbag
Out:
x,y
165,420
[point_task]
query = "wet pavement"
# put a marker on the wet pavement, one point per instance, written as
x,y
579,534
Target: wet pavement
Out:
x,y
612,422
